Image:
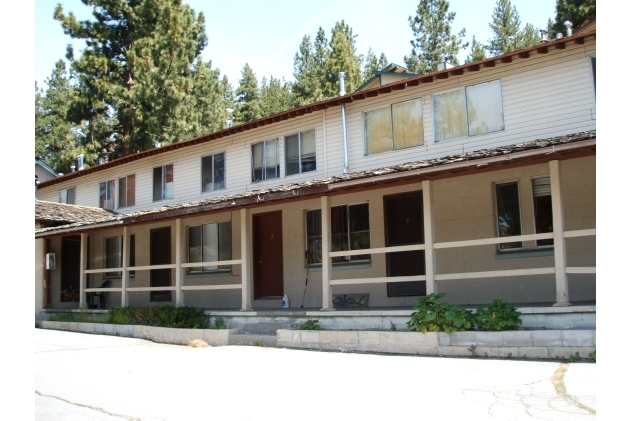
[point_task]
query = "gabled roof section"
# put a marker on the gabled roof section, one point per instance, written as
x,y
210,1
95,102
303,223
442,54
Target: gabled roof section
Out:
x,y
588,27
392,70
435,77
46,167
55,213
474,161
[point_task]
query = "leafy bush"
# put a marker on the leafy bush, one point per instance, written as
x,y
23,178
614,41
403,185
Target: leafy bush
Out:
x,y
160,316
310,325
435,316
80,317
498,316
220,323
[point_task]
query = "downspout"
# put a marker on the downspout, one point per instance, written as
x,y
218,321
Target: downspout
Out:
x,y
342,93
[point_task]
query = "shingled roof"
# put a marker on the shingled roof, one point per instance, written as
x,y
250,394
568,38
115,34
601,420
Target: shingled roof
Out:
x,y
87,216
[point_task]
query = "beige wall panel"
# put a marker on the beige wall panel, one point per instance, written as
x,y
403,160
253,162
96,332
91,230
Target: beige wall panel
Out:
x,y
514,290
40,272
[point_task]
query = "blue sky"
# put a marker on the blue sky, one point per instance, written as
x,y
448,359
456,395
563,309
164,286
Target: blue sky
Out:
x,y
267,34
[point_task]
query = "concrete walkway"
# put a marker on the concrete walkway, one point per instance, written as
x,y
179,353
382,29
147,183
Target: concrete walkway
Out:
x,y
82,376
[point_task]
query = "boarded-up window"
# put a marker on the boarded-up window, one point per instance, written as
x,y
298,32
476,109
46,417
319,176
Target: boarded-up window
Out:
x,y
397,126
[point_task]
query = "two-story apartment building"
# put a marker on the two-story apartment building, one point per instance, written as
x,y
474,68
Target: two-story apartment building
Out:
x,y
478,181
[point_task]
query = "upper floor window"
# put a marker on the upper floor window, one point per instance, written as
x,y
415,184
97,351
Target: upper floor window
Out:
x,y
350,230
213,172
474,110
209,243
127,191
394,127
163,182
106,194
265,162
67,196
300,153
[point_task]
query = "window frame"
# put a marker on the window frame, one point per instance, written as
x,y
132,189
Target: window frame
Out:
x,y
497,217
109,189
466,111
65,192
263,162
120,191
117,256
165,193
390,107
300,157
343,260
208,269
550,242
213,182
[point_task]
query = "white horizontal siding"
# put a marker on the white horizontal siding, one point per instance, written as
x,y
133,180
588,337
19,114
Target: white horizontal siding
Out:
x,y
547,95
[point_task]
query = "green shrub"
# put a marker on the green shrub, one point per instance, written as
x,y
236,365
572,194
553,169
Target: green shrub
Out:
x,y
160,316
220,323
435,316
80,317
498,316
310,325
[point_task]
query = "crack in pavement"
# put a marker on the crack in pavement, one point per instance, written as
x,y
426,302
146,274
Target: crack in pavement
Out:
x,y
559,386
95,408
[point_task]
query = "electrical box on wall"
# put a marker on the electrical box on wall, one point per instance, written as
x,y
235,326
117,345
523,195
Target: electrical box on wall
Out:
x,y
50,260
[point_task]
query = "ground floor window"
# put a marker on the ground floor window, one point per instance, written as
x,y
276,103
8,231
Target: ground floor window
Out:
x,y
508,213
542,200
350,230
210,243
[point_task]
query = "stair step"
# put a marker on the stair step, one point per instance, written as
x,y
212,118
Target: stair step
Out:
x,y
266,328
252,340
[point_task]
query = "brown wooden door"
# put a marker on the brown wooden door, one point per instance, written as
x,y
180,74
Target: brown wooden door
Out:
x,y
160,254
70,268
268,254
404,226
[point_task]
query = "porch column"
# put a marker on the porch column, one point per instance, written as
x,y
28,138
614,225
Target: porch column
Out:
x,y
428,228
327,299
246,293
125,273
559,242
179,298
82,266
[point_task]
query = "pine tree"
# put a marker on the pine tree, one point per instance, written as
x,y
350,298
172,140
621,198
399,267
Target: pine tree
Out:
x,y
342,58
211,98
276,96
57,141
136,77
433,41
247,101
372,64
507,32
478,52
579,12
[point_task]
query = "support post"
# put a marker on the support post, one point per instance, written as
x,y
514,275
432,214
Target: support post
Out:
x,y
179,298
327,299
246,294
559,241
82,266
429,234
125,272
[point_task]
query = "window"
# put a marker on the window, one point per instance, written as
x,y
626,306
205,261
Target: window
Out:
x,y
213,172
474,110
265,165
127,191
350,230
209,243
300,153
106,194
67,196
594,73
508,213
163,182
542,200
398,126
114,254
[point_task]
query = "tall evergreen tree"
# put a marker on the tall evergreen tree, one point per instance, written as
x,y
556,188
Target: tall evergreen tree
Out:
x,y
212,98
342,58
276,96
507,32
579,12
372,64
247,97
433,41
478,52
57,141
137,74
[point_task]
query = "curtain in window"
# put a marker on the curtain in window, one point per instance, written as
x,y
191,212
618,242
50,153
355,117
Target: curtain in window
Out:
x,y
271,159
484,107
307,151
210,251
378,131
122,192
407,124
131,190
106,194
450,119
168,182
292,154
157,183
207,173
